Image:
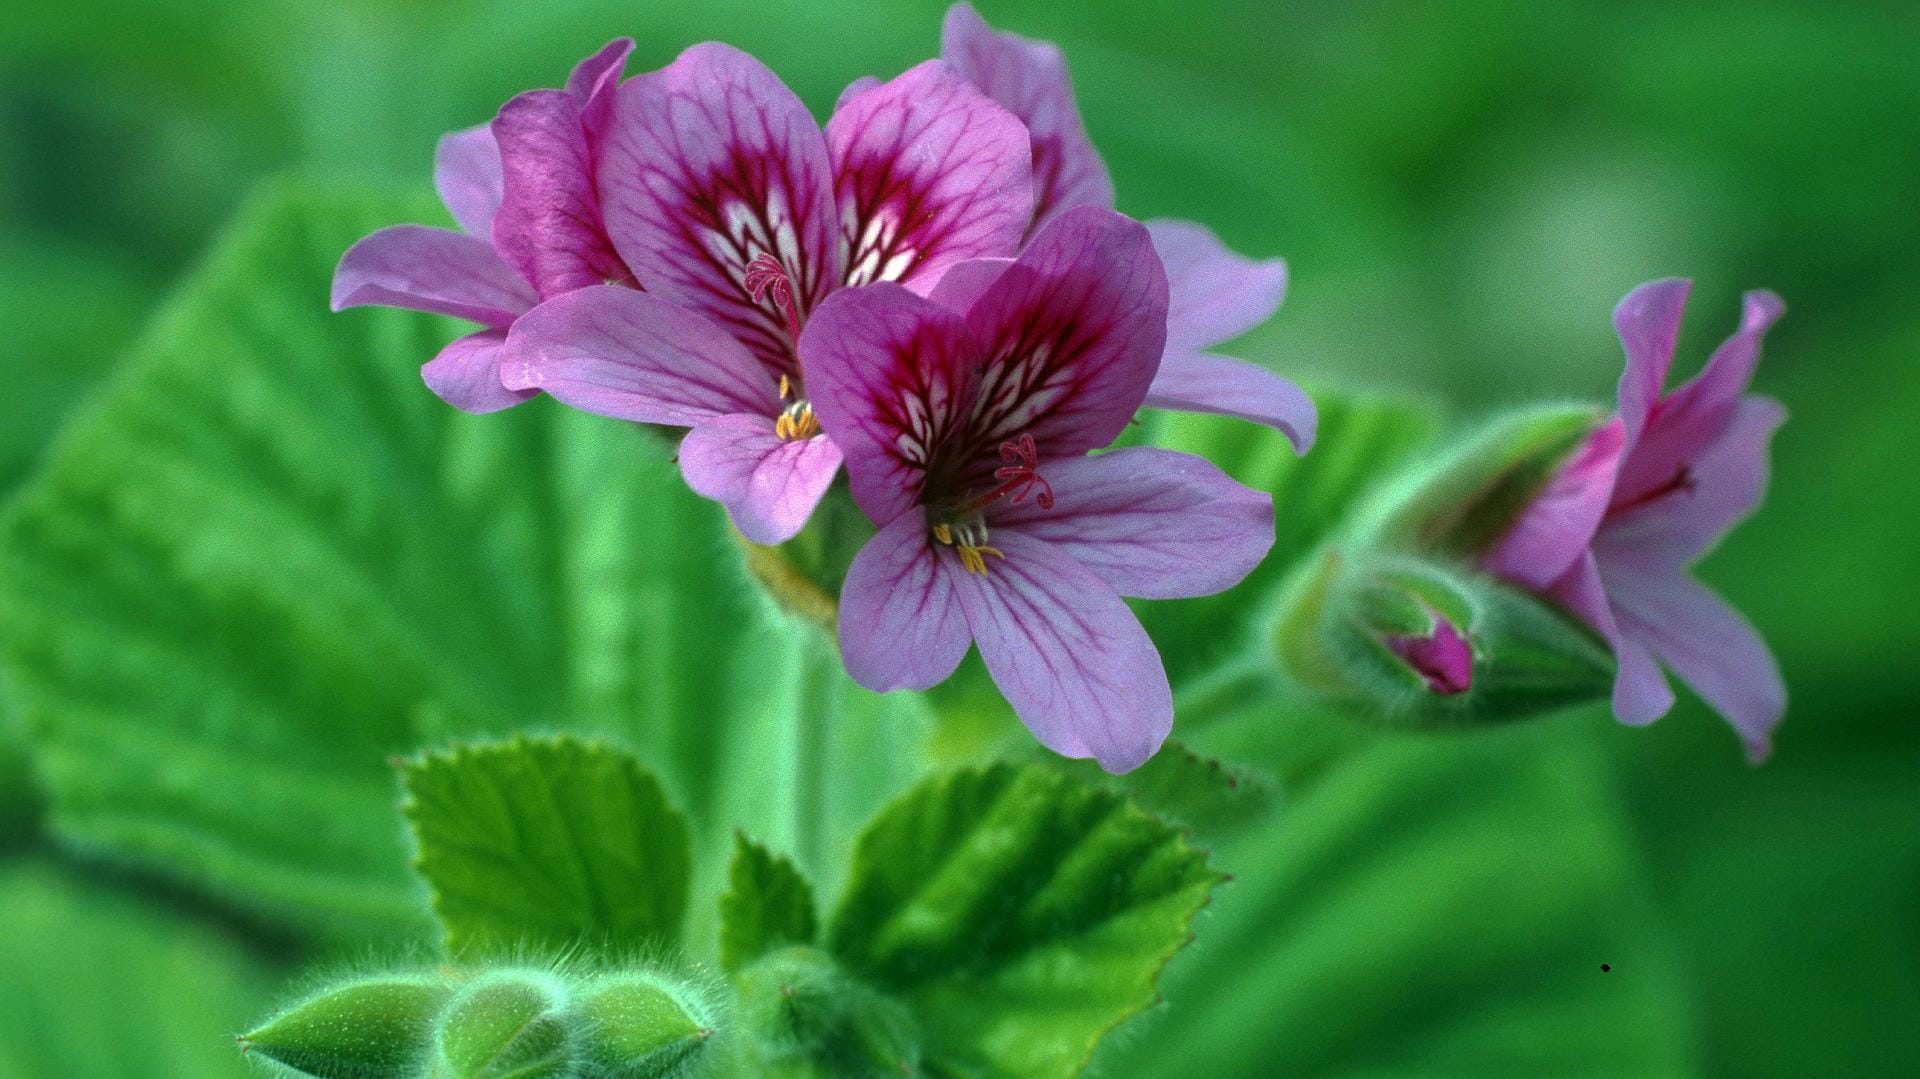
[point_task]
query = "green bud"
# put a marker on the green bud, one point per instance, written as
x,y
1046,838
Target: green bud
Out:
x,y
506,1025
800,1014
1395,639
371,1028
1463,504
641,1026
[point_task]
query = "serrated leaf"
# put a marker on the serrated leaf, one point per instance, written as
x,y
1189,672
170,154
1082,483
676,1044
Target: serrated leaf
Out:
x,y
768,904
548,843
1021,913
1184,788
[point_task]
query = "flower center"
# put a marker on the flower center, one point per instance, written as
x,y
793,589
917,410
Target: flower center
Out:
x,y
1017,478
968,538
796,421
767,280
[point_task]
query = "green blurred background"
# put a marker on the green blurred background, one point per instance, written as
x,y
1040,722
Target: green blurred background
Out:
x,y
1463,191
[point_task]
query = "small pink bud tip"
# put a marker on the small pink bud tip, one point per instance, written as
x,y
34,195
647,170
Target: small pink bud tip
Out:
x,y
1443,657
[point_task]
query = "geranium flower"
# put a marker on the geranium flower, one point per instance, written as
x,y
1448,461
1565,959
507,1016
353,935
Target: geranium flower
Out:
x,y
1216,294
966,420
1613,536
521,190
731,205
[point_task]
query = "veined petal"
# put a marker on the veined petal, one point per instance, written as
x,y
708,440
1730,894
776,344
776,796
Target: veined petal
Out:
x,y
1556,527
549,228
616,352
466,173
891,378
1224,386
1648,322
1067,654
1711,647
592,82
901,626
707,164
1697,414
928,171
1640,692
1213,294
854,89
1030,79
964,283
466,374
769,486
428,269
1724,484
1073,333
1151,523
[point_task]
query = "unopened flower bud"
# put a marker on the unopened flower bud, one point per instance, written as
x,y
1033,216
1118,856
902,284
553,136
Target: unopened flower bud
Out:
x,y
369,1028
639,1025
506,1023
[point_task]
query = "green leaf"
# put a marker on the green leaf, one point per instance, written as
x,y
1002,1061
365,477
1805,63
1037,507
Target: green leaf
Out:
x,y
548,843
103,984
1020,913
768,904
1187,789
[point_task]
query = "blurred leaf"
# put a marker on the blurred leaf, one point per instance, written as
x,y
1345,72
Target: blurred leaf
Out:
x,y
1432,906
1023,915
103,984
268,560
768,904
548,843
1184,788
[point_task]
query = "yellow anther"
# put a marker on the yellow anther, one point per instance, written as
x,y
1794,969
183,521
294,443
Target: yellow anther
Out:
x,y
944,533
786,387
796,423
971,558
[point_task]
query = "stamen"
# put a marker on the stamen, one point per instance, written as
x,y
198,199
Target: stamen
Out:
x,y
786,387
796,422
766,278
969,540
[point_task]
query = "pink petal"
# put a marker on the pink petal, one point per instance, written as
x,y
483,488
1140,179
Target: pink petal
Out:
x,y
1075,329
854,89
1724,484
1556,527
1213,293
1442,658
593,81
901,626
549,226
615,352
1221,385
891,377
1711,647
466,374
1151,523
1648,322
708,163
427,269
768,486
1068,655
1030,79
1696,415
1640,692
963,284
466,173
928,172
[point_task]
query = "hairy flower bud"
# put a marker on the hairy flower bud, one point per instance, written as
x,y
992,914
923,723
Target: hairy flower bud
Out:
x,y
369,1028
798,1008
639,1025
509,1023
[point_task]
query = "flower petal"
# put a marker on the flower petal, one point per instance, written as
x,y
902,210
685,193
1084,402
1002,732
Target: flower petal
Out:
x,y
854,89
1030,79
1696,415
1223,386
1556,527
1724,484
1711,647
1151,523
891,377
928,171
1648,322
466,374
1073,330
769,486
593,80
549,226
964,283
615,352
427,269
707,164
466,173
901,626
1213,293
1068,655
1640,692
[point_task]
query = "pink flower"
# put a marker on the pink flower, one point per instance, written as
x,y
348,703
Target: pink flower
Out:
x,y
1441,657
738,215
1215,294
521,190
966,419
1613,536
